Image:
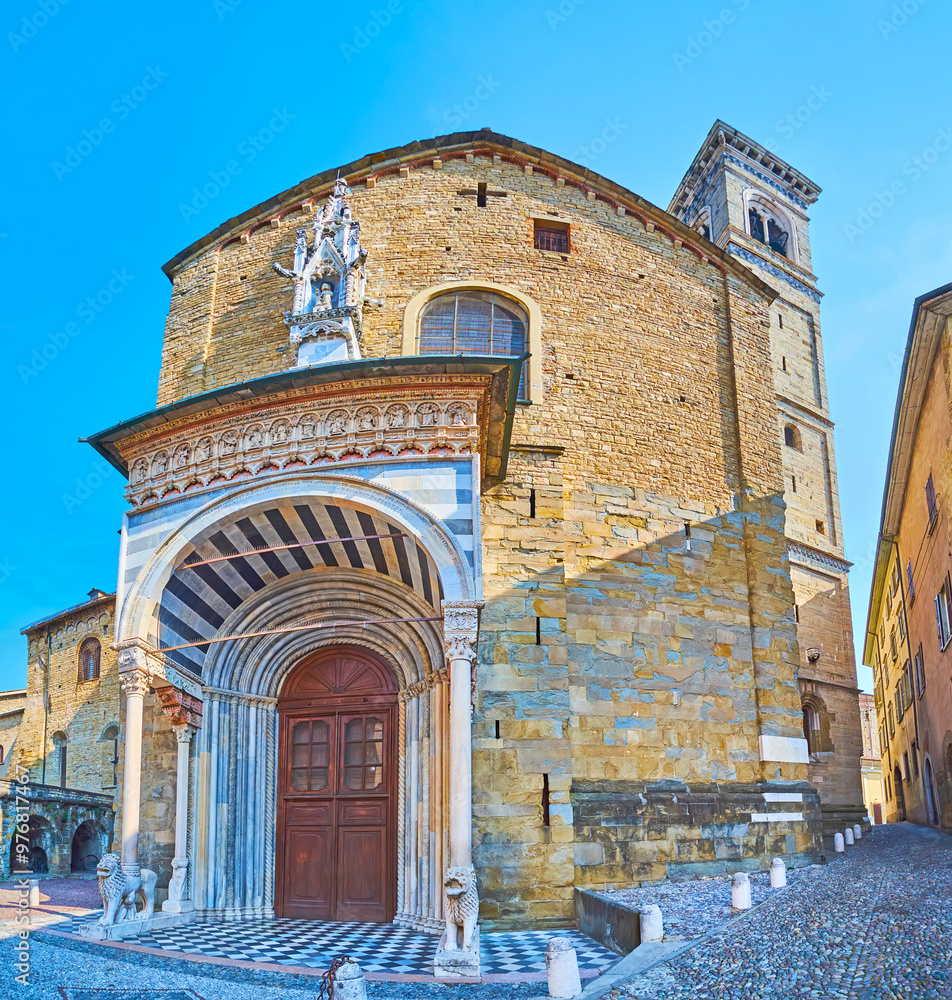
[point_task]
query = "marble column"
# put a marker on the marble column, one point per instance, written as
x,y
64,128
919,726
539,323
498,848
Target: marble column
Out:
x,y
177,903
460,632
457,955
135,676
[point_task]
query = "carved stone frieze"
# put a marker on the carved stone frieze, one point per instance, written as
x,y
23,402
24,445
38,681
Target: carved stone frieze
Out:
x,y
426,684
335,430
183,710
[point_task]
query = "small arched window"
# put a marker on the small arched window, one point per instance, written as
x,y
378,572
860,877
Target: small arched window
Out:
x,y
770,226
471,321
791,436
89,654
702,224
811,728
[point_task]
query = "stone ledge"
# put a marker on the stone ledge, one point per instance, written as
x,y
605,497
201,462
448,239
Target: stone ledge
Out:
x,y
133,928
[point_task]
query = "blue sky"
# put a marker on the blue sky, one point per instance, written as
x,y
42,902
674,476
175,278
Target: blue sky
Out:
x,y
116,115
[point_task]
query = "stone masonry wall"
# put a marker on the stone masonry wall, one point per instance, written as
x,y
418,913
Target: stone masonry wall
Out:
x,y
83,710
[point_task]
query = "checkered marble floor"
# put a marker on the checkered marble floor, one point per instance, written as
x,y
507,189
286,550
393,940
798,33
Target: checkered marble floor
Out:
x,y
376,947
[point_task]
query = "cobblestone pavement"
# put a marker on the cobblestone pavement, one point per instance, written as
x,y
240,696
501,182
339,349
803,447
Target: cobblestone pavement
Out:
x,y
875,923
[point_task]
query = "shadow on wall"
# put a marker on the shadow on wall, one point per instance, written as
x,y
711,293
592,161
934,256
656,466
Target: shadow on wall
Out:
x,y
616,726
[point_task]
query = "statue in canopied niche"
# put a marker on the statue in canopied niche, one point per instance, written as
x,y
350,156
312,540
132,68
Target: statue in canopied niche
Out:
x,y
325,298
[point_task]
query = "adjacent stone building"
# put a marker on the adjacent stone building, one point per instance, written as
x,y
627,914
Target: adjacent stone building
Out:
x,y
61,741
871,761
464,535
910,608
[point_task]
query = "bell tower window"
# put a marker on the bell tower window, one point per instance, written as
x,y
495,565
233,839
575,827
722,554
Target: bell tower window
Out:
x,y
769,225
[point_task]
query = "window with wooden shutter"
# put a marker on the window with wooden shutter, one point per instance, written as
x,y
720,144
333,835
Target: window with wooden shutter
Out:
x,y
942,615
89,655
931,500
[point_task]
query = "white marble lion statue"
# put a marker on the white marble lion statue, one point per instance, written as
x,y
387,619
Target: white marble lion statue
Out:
x,y
119,890
461,907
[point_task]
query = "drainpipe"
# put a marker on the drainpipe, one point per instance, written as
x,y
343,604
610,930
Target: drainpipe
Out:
x,y
46,696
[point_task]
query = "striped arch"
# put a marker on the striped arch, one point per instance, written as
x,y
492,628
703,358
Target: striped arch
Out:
x,y
175,601
197,599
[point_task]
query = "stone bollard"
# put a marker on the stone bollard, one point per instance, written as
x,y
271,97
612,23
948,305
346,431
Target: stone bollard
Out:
x,y
838,843
561,969
848,837
857,832
652,926
778,874
740,891
34,892
349,983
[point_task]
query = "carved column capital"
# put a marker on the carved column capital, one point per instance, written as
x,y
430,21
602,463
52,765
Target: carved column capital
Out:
x,y
461,629
135,681
183,733
134,665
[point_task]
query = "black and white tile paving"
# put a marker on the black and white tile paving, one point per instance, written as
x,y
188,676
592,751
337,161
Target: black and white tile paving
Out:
x,y
376,948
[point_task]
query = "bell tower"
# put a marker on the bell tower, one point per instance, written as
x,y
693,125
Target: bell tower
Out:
x,y
748,201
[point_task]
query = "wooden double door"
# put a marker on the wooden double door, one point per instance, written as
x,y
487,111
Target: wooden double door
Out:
x,y
336,795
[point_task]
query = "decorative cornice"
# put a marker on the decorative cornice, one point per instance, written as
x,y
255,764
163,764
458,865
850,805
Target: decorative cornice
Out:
x,y
290,434
723,139
751,258
810,555
767,179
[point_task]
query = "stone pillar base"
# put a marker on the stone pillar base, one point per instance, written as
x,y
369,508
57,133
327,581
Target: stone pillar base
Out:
x,y
457,964
133,928
178,906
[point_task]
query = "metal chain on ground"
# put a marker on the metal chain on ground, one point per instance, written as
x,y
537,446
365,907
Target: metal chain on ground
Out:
x,y
327,980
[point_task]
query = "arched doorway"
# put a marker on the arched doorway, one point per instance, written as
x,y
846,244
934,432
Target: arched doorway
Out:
x,y
337,776
900,797
31,852
86,848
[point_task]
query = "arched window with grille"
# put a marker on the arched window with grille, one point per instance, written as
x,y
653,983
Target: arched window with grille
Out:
x,y
791,437
811,728
90,652
474,321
